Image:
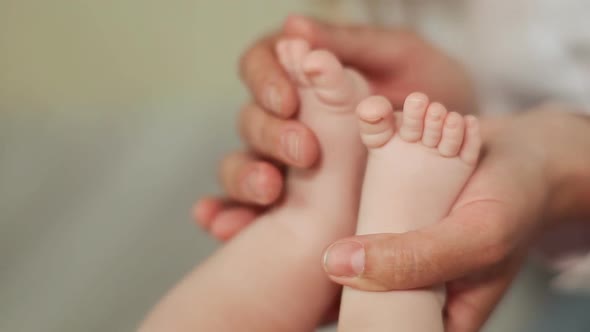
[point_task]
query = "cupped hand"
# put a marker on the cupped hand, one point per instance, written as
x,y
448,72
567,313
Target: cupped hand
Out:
x,y
396,63
478,249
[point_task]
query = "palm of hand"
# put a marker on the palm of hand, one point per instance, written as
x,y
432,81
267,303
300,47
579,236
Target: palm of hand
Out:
x,y
497,212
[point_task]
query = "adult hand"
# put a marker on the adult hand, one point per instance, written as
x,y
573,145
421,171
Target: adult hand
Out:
x,y
396,63
519,187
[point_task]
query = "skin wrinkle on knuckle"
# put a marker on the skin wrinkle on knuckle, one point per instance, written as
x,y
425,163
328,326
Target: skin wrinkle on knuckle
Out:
x,y
411,270
396,269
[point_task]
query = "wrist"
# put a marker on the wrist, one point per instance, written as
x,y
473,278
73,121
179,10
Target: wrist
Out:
x,y
565,138
571,169
552,147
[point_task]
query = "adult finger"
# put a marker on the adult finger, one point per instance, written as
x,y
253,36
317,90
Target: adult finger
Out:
x,y
287,141
231,221
205,210
267,81
350,43
249,180
472,238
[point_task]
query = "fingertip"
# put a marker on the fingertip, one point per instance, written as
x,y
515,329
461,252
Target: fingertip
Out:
x,y
205,210
248,180
266,78
300,26
222,231
230,222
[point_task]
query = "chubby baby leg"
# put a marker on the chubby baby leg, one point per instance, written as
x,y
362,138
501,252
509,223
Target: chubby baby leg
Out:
x,y
270,277
418,163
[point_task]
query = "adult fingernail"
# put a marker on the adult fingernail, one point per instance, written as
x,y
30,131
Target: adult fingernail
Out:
x,y
291,145
345,259
273,99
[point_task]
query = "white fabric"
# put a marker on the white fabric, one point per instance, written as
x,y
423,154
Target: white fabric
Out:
x,y
521,52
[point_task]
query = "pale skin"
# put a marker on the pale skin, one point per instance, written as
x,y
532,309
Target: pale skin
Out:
x,y
526,181
245,287
419,160
320,206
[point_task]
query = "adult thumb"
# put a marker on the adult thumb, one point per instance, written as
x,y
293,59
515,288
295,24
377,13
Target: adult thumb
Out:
x,y
450,249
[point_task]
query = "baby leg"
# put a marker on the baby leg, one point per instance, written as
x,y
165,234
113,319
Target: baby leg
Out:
x,y
270,278
418,163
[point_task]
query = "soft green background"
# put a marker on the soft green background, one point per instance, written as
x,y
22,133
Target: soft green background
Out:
x,y
71,53
113,116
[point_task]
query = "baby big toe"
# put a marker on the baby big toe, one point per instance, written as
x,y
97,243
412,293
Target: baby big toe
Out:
x,y
376,121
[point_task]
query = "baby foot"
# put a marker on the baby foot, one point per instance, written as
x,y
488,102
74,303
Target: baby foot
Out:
x,y
320,206
430,126
320,76
424,151
419,160
328,94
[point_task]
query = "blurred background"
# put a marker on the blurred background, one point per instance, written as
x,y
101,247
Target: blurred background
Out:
x,y
113,116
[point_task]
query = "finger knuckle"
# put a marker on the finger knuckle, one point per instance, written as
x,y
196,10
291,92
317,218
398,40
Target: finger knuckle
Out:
x,y
400,270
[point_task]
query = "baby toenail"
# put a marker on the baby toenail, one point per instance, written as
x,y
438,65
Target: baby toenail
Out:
x,y
452,123
470,120
345,259
273,99
416,102
291,145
